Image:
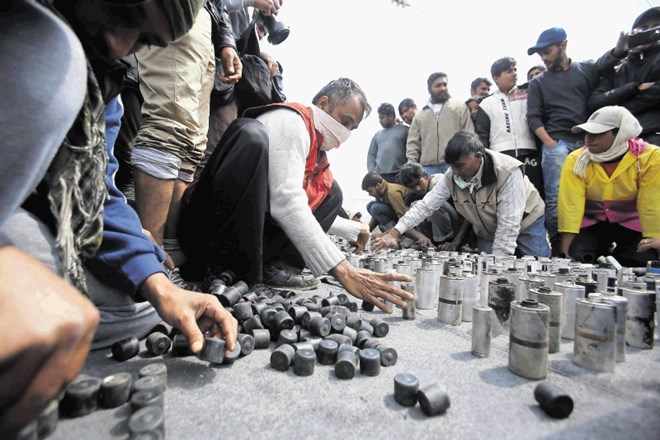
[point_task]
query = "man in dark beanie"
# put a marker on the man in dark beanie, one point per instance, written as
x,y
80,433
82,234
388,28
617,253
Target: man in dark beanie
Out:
x,y
65,230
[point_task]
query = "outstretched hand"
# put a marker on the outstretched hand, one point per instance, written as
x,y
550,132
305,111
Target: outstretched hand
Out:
x,y
193,313
388,240
372,286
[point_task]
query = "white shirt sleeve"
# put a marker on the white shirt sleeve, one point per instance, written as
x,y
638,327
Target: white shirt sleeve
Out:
x,y
287,153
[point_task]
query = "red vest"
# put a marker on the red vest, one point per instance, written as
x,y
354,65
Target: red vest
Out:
x,y
318,179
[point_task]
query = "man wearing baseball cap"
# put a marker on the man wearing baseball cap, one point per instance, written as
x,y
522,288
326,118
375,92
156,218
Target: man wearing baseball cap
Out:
x,y
556,101
609,191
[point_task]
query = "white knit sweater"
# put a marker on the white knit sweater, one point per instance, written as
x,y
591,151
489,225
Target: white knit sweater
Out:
x,y
287,154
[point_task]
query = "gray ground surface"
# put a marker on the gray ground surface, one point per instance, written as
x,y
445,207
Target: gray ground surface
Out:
x,y
251,400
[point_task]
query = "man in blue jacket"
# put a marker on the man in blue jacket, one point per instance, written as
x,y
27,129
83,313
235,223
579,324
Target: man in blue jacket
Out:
x,y
75,223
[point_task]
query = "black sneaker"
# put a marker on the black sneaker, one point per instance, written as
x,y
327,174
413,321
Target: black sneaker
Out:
x,y
280,278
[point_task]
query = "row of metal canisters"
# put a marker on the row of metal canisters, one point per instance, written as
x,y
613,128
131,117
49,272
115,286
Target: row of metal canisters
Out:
x,y
536,301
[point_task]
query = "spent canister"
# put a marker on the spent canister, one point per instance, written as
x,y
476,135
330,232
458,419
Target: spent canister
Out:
x,y
600,275
563,274
426,286
528,340
450,300
621,304
640,317
570,292
382,265
554,301
590,285
409,313
547,277
526,283
482,330
470,296
594,347
354,260
513,276
500,295
486,277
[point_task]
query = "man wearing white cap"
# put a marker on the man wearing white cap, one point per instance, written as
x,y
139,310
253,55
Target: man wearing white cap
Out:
x,y
610,190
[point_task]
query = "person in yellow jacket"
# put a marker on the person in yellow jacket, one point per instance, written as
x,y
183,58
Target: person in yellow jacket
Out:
x,y
609,191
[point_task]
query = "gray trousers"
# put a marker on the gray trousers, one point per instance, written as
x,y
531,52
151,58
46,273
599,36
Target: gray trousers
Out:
x,y
121,317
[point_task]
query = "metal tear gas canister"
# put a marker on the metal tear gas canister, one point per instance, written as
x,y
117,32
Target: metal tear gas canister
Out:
x,y
590,285
594,347
640,317
526,283
528,340
533,266
555,304
470,296
403,268
409,313
570,292
415,264
486,277
563,274
534,293
650,280
482,330
547,277
354,260
513,276
426,286
624,275
450,299
600,276
500,295
621,304
382,265
546,264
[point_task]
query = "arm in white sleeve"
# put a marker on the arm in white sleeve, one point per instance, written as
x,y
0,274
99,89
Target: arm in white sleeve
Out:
x,y
423,209
511,200
346,228
289,145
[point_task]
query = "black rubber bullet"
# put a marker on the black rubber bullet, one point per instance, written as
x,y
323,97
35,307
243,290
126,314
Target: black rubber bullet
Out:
x,y
247,343
361,337
147,398
370,362
354,321
231,356
366,327
338,322
297,312
155,369
371,343
381,328
351,333
261,338
81,397
252,324
366,305
388,355
339,338
160,328
126,348
213,350
158,344
307,316
180,346
327,352
282,358
115,390
243,311
268,316
283,321
553,401
319,326
303,362
346,364
406,387
433,399
330,301
147,419
287,337
156,383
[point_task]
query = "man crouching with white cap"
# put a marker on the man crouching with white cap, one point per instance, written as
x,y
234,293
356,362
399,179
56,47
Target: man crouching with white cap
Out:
x,y
609,192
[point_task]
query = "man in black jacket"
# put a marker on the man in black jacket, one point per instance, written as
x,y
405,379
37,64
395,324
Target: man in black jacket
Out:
x,y
634,83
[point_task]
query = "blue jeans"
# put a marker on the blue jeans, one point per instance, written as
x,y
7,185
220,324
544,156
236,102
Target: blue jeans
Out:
x,y
435,169
551,165
531,241
383,214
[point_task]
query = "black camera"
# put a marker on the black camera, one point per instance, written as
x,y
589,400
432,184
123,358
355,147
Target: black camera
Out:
x,y
277,31
645,37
